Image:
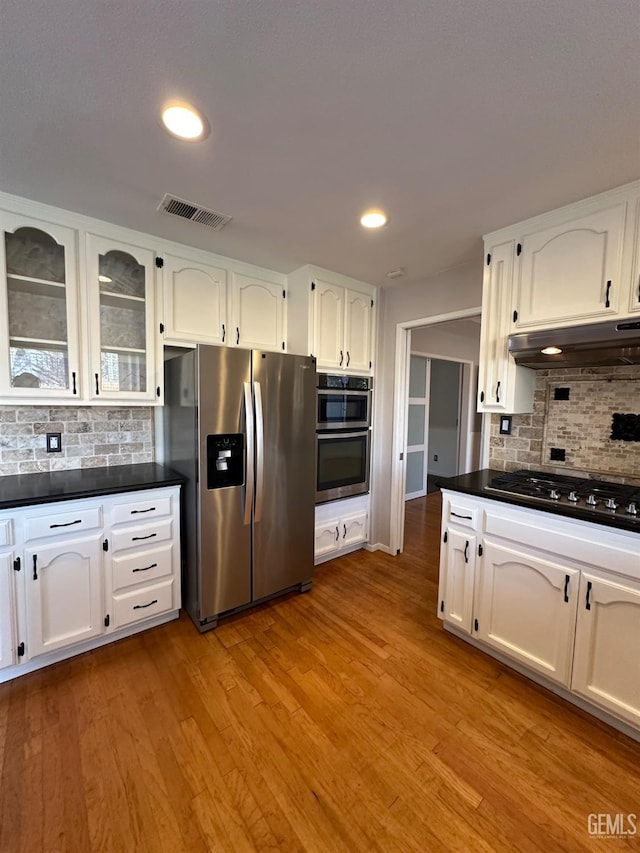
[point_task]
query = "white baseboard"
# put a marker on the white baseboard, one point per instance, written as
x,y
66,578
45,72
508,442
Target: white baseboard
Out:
x,y
379,546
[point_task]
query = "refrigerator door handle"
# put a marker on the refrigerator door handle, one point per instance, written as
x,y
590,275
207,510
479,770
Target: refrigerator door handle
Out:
x,y
249,477
257,390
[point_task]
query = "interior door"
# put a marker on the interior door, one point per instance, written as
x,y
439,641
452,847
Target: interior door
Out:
x,y
417,427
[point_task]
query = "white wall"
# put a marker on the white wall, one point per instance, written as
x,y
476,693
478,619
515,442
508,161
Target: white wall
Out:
x,y
453,290
459,339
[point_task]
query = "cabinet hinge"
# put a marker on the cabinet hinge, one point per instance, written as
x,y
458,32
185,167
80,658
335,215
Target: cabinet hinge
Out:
x,y
283,346
475,625
161,328
20,650
519,249
158,391
372,303
159,263
445,537
106,621
105,545
442,606
16,564
515,316
284,294
479,550
488,258
369,365
313,285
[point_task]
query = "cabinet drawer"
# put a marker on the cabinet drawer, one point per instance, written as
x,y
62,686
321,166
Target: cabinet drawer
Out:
x,y
142,566
140,510
143,534
6,532
143,603
461,514
58,523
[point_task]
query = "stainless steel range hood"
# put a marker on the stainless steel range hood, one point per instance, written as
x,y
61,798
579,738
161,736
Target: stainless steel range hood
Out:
x,y
595,345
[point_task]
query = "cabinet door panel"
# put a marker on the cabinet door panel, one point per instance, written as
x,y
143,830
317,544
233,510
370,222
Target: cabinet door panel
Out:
x,y
606,667
564,269
353,529
328,325
195,302
457,574
358,331
64,593
7,615
258,314
327,538
527,609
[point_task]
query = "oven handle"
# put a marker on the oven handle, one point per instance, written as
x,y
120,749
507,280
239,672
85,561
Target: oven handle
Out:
x,y
344,434
342,392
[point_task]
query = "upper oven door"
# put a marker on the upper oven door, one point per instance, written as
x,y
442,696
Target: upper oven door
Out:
x,y
340,409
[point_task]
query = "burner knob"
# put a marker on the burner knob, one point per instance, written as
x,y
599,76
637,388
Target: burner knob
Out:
x,y
611,504
554,494
591,500
573,497
632,509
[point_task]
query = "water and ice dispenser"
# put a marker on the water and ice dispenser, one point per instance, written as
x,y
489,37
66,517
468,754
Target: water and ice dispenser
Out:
x,y
225,460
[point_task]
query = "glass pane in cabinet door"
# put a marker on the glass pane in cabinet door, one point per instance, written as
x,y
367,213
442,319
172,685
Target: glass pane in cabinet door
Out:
x,y
37,310
123,358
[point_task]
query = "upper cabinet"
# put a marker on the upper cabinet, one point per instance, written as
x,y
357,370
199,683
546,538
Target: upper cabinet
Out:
x,y
572,270
337,325
38,310
258,313
194,302
120,283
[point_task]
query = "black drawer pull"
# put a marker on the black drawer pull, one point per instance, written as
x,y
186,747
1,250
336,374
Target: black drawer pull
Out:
x,y
150,509
146,568
588,601
142,606
35,567
566,587
137,538
607,301
73,376
466,551
97,384
468,517
67,523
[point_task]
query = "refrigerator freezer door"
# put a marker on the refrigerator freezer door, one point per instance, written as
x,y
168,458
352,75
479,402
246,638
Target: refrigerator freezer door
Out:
x,y
285,471
224,534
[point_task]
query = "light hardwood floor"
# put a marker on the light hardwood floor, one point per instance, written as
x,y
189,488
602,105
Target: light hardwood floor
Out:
x,y
340,720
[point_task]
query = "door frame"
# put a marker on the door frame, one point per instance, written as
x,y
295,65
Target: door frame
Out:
x,y
400,394
425,443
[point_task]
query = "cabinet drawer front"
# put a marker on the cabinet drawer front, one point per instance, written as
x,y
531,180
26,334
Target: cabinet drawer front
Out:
x,y
6,532
141,510
461,514
143,603
143,534
142,566
59,523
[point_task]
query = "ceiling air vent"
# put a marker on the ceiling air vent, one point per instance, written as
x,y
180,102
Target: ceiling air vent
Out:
x,y
193,212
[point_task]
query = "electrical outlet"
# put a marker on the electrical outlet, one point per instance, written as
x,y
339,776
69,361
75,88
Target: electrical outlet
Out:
x,y
54,442
435,457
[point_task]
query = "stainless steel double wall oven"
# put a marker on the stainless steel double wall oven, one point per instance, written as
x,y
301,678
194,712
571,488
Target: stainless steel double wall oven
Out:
x,y
343,436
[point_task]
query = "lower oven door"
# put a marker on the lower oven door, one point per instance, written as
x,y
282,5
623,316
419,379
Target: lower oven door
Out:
x,y
342,464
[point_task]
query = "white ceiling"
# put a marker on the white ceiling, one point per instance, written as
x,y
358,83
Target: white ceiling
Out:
x,y
456,117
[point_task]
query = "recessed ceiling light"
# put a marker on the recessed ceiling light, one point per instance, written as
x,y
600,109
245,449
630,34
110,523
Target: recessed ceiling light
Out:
x,y
105,279
373,219
185,122
551,351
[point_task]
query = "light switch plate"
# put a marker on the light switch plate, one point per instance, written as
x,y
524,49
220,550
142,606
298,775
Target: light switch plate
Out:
x,y
54,442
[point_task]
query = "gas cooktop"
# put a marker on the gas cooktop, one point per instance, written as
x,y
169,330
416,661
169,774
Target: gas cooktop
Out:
x,y
597,496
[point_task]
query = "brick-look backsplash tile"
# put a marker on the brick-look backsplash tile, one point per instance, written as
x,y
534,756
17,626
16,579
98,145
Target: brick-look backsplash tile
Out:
x,y
582,425
91,437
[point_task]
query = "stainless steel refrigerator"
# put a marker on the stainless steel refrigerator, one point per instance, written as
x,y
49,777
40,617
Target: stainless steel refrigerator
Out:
x,y
240,426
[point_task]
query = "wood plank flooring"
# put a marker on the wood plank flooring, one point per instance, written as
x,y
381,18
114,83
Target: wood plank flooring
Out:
x,y
340,720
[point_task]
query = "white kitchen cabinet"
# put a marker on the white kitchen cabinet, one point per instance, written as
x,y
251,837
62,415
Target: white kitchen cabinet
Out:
x,y
503,386
606,667
527,608
258,316
342,327
571,270
457,575
122,331
341,526
63,592
8,644
38,311
634,295
194,302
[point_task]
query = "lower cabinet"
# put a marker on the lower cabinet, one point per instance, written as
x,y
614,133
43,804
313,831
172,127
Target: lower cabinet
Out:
x,y
341,526
559,597
606,666
81,570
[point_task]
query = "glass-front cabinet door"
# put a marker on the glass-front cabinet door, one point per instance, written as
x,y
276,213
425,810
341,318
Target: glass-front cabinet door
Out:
x,y
120,282
38,309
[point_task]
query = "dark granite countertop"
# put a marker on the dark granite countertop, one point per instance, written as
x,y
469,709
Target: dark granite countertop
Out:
x,y
29,489
476,482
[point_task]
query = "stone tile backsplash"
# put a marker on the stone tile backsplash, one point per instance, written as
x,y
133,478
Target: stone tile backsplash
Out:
x,y
91,437
581,425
